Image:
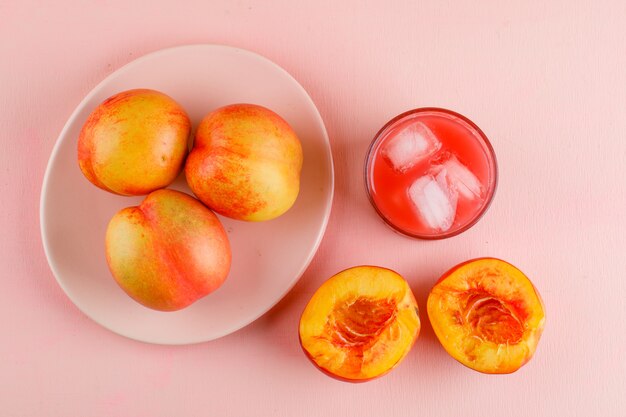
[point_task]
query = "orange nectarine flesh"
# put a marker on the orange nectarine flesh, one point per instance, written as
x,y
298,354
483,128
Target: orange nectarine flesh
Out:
x,y
360,323
487,315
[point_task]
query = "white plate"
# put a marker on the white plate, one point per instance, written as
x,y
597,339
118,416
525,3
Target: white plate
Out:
x,y
268,257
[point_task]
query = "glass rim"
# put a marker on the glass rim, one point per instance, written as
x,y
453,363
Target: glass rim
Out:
x,y
492,186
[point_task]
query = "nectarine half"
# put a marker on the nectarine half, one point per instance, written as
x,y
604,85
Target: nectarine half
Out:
x,y
360,323
487,315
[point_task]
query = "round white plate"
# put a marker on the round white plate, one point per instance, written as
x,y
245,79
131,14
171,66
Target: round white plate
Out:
x,y
268,257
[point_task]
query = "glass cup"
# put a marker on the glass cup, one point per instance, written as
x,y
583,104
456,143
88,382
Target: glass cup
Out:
x,y
455,146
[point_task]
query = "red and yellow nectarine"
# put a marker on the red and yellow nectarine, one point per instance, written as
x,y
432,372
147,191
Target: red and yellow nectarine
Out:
x,y
245,163
169,251
134,142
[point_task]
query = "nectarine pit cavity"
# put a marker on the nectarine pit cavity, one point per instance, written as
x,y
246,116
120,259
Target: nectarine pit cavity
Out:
x,y
357,323
491,319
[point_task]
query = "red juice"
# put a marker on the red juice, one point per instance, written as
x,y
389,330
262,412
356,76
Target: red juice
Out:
x,y
431,173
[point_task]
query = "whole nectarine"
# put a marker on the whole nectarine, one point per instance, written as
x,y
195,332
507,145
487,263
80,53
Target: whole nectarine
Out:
x,y
134,142
245,163
167,252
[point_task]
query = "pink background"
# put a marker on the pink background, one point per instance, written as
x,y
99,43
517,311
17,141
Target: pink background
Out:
x,y
545,80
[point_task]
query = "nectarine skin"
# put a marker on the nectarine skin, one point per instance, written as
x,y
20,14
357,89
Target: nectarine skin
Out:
x,y
167,252
360,324
245,163
487,315
134,142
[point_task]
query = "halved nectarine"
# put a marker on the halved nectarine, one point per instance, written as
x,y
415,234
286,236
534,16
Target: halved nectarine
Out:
x,y
487,315
360,323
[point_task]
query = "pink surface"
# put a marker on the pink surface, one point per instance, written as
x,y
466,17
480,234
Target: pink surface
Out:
x,y
544,80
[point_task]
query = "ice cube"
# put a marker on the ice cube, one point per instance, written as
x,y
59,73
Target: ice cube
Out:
x,y
435,200
462,178
410,146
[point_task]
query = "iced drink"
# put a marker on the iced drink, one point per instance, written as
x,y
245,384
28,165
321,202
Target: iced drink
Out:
x,y
430,173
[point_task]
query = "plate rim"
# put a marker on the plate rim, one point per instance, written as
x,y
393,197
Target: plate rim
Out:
x,y
72,119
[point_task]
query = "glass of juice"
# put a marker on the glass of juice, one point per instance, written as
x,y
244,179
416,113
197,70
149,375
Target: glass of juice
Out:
x,y
430,173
